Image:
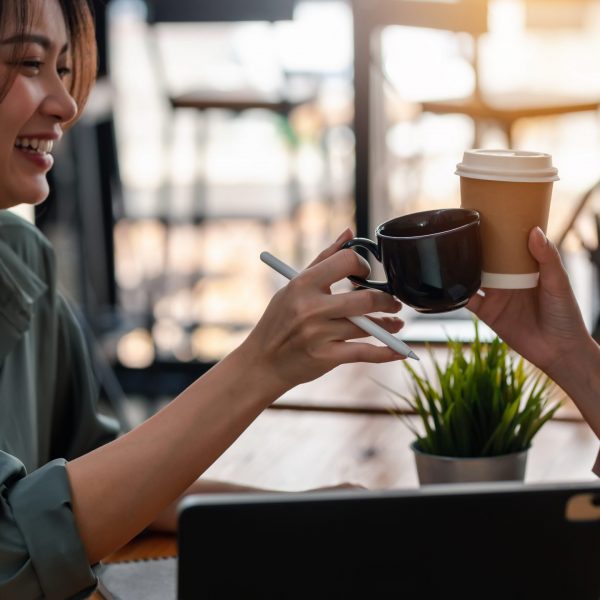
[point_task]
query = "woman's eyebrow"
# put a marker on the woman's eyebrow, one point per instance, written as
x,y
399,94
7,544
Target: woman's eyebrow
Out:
x,y
32,38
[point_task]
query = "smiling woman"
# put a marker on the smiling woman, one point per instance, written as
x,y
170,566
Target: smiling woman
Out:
x,y
59,518
37,80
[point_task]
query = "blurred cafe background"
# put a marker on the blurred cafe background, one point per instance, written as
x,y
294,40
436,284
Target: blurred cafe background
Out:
x,y
220,129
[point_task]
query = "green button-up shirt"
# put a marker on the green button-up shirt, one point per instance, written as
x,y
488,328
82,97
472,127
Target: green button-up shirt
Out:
x,y
48,415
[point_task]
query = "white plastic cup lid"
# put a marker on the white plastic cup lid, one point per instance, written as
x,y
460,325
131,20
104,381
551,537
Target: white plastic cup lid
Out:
x,y
507,165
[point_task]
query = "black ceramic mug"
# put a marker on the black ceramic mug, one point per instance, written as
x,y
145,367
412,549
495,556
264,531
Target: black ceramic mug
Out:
x,y
432,259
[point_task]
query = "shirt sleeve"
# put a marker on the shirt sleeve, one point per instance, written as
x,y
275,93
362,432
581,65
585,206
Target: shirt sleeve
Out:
x,y
41,553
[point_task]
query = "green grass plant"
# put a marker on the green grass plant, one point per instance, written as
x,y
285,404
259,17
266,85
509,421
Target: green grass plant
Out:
x,y
484,401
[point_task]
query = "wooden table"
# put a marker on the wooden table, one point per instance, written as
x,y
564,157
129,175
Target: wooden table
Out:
x,y
290,449
357,388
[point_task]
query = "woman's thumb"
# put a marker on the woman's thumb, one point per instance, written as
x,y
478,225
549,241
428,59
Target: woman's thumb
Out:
x,y
552,271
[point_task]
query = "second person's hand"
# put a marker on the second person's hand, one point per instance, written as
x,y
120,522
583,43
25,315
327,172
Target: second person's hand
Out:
x,y
543,324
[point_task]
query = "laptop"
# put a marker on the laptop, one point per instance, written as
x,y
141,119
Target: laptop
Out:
x,y
498,540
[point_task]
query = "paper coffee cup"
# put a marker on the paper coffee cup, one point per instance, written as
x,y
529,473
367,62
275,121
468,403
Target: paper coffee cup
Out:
x,y
511,190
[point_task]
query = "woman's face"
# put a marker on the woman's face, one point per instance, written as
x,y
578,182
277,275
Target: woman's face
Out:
x,y
36,106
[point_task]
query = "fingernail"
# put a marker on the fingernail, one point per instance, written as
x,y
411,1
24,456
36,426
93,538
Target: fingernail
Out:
x,y
342,235
541,234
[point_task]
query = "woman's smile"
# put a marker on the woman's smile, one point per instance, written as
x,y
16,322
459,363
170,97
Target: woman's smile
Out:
x,y
36,150
36,106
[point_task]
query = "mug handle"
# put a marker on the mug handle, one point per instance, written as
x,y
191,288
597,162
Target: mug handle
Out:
x,y
373,248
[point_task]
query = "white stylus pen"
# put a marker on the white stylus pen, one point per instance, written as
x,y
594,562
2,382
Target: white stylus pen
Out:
x,y
365,324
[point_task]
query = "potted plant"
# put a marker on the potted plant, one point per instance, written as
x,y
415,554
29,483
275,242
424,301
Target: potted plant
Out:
x,y
478,415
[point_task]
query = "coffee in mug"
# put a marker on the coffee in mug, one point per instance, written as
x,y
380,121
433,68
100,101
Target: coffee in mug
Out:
x,y
511,190
432,259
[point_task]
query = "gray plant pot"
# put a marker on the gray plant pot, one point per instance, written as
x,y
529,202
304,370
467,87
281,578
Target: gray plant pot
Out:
x,y
447,469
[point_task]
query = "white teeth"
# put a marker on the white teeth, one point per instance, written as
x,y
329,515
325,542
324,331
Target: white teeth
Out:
x,y
35,145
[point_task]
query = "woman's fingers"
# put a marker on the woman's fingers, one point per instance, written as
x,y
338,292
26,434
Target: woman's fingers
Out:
x,y
391,324
343,329
305,328
553,277
338,306
314,312
475,303
333,248
352,352
554,283
361,302
496,305
338,266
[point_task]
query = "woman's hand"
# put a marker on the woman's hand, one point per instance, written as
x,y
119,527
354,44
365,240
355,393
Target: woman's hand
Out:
x,y
304,331
543,324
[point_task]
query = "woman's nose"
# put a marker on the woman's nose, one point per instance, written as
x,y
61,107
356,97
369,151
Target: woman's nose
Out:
x,y
59,103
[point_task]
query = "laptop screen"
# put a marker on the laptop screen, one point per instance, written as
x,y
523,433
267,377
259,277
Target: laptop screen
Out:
x,y
502,540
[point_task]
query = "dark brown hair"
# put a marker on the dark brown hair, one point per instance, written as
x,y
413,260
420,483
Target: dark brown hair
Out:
x,y
78,15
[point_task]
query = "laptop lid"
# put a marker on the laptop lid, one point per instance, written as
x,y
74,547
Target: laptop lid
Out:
x,y
502,540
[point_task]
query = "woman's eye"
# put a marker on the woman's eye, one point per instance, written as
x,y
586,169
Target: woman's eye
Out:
x,y
63,72
32,65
